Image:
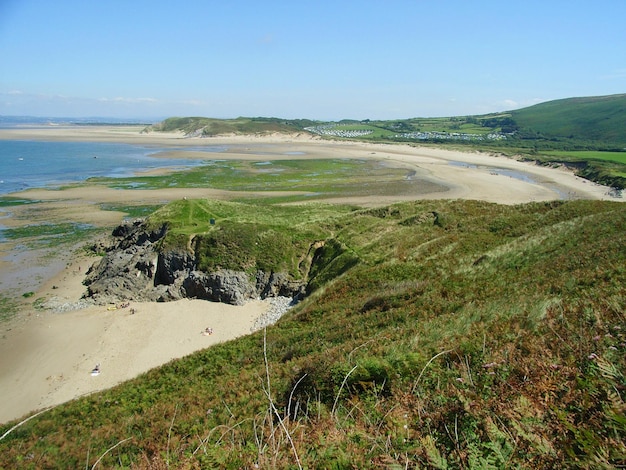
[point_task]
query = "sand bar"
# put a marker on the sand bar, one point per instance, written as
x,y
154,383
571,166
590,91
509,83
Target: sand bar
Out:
x,y
46,358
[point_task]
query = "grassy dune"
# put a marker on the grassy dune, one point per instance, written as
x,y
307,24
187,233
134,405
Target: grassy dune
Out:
x,y
460,334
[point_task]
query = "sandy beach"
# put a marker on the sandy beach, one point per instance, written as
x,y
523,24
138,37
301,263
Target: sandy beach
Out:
x,y
46,357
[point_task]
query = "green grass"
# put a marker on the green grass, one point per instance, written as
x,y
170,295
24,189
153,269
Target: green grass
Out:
x,y
132,211
618,157
461,334
248,237
598,119
8,201
241,125
49,234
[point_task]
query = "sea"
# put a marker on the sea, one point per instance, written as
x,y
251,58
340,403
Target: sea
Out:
x,y
27,164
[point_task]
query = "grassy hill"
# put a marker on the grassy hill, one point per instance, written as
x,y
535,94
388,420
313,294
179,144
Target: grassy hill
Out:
x,y
208,127
591,121
461,334
598,119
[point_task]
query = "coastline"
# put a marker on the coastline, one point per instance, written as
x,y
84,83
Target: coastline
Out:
x,y
46,357
467,175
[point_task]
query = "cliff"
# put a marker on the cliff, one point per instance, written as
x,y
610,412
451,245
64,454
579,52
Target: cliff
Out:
x,y
135,268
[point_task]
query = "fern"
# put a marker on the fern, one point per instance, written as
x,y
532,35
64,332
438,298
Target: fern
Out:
x,y
435,459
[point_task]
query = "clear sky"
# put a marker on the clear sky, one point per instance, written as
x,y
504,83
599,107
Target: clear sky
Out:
x,y
315,59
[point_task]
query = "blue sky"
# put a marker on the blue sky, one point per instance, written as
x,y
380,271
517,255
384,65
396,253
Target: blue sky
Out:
x,y
313,59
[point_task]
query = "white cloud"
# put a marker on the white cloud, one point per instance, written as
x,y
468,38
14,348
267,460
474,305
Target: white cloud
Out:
x,y
193,102
120,99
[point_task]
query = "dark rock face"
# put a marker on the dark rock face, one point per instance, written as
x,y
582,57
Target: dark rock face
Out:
x,y
124,274
230,287
134,269
278,285
171,264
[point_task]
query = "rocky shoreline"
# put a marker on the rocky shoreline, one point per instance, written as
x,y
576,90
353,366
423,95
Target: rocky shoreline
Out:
x,y
134,268
278,307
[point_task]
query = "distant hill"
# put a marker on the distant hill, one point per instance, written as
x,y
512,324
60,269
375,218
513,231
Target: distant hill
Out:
x,y
596,118
598,121
207,127
565,131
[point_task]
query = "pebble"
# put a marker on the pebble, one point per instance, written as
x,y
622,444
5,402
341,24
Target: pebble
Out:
x,y
278,307
56,305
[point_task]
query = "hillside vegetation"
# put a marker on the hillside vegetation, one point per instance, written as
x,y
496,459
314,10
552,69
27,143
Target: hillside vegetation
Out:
x,y
460,334
599,119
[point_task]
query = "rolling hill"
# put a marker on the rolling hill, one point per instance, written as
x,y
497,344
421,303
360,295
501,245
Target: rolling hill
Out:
x,y
597,119
208,127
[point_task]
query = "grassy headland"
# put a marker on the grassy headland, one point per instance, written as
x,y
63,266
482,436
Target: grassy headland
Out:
x,y
460,334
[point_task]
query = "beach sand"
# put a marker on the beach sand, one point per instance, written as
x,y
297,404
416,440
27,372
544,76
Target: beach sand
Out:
x,y
46,358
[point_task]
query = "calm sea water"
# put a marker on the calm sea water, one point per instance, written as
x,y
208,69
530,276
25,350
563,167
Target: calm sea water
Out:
x,y
28,164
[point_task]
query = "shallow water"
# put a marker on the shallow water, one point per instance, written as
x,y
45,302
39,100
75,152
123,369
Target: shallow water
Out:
x,y
26,164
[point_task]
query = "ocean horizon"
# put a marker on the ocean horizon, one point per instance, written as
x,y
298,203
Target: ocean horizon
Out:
x,y
28,164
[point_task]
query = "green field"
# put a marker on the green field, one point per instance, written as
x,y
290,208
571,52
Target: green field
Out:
x,y
589,120
618,157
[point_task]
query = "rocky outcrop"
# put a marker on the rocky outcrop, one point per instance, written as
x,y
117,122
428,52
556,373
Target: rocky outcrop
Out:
x,y
226,286
134,268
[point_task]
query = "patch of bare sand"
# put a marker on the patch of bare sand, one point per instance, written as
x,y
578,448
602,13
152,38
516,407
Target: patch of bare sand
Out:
x,y
135,134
